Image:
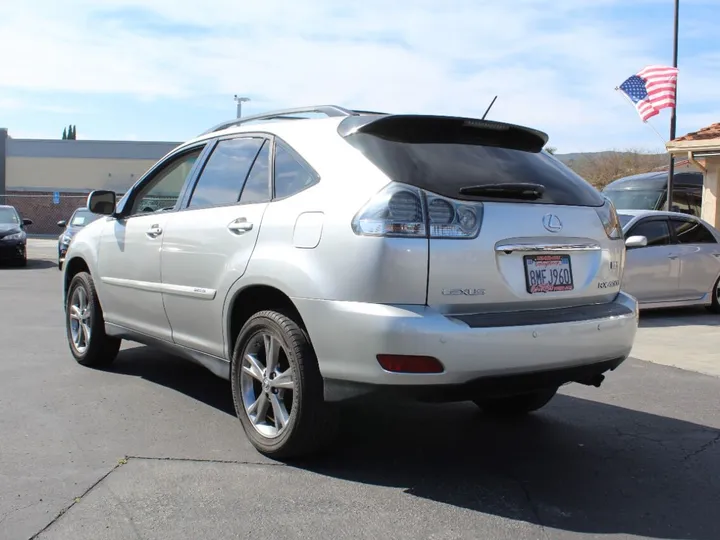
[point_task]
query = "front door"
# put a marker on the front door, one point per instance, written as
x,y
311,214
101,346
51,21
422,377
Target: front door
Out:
x,y
130,247
208,244
652,273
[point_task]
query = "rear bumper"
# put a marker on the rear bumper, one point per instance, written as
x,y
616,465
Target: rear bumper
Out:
x,y
348,336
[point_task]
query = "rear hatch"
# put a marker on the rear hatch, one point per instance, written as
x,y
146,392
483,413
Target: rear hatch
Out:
x,y
510,228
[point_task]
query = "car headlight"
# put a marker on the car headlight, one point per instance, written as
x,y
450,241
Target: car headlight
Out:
x,y
16,236
66,240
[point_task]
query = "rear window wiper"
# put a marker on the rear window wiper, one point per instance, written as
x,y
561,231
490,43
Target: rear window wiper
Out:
x,y
524,191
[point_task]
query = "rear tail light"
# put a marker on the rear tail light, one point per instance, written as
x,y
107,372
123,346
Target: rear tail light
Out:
x,y
407,211
401,363
610,220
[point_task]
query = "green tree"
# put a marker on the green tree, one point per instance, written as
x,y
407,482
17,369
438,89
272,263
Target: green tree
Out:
x,y
65,136
551,150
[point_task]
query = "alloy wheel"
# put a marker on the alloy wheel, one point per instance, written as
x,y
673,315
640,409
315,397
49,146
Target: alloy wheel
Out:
x,y
267,384
80,320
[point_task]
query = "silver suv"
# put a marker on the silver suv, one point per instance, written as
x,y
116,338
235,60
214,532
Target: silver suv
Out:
x,y
314,260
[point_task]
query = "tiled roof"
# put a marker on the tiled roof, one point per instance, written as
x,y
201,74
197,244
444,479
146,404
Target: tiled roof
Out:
x,y
710,132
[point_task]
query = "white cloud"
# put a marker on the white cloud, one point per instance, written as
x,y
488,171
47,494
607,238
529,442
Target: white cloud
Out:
x,y
554,64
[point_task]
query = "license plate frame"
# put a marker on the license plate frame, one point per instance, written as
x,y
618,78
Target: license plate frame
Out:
x,y
562,282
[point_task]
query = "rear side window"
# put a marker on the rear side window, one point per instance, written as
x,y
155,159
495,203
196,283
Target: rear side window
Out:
x,y
224,174
446,168
656,232
691,232
292,174
257,186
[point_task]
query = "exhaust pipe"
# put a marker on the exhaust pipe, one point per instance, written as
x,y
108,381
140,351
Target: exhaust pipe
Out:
x,y
594,380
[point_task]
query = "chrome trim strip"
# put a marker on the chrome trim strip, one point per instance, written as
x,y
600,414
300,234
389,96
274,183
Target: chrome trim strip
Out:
x,y
167,288
509,248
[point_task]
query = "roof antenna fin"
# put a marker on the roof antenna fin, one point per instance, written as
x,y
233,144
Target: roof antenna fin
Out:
x,y
489,107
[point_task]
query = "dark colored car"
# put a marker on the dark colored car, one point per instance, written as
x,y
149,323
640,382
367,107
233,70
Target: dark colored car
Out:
x,y
13,238
648,191
80,218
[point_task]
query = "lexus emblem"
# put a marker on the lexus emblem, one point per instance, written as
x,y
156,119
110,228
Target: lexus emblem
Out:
x,y
552,223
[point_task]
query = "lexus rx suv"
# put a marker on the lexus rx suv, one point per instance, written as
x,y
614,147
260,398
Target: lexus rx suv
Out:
x,y
314,260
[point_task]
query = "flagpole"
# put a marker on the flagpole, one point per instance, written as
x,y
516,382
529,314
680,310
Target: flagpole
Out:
x,y
673,115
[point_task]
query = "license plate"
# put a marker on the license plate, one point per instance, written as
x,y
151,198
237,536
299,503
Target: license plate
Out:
x,y
548,273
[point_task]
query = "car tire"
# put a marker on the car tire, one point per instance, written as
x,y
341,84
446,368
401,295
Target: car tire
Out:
x,y
516,405
94,348
262,407
714,306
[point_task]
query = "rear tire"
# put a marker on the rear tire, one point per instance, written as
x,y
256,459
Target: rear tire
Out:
x,y
274,366
714,307
85,325
516,405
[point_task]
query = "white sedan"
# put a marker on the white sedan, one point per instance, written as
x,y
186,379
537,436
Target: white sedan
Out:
x,y
673,259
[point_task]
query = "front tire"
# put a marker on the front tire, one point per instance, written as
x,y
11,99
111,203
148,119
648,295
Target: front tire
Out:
x,y
516,405
85,325
277,388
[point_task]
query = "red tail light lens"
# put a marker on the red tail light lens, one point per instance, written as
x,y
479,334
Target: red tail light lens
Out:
x,y
400,363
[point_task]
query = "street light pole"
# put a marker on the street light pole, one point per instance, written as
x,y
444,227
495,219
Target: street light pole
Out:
x,y
673,115
240,100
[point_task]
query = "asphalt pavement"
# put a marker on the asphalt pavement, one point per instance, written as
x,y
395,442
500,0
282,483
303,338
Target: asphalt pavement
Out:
x,y
151,449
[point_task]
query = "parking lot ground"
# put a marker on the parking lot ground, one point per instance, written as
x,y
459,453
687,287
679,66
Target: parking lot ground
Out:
x,y
151,449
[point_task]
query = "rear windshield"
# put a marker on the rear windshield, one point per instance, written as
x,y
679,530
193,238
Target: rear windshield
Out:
x,y
445,168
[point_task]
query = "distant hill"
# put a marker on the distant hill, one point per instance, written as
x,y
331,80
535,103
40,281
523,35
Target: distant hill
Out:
x,y
581,156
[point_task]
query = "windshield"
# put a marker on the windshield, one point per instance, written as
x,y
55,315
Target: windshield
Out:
x,y
634,199
83,217
9,216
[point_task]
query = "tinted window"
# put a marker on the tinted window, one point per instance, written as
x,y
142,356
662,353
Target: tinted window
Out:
x,y
257,186
9,215
687,202
163,191
224,173
291,174
625,219
445,168
656,232
689,232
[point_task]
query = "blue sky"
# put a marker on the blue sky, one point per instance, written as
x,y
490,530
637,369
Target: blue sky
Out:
x,y
168,69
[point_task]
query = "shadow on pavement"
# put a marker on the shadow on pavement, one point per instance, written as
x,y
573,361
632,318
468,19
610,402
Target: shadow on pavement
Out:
x,y
578,466
32,264
664,318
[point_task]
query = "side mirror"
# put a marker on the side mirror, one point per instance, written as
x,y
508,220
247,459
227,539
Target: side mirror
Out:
x,y
101,202
62,223
636,242
27,222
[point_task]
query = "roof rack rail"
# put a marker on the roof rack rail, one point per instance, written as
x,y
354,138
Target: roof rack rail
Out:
x,y
289,114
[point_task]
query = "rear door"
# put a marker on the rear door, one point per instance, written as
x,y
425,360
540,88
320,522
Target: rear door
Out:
x,y
207,245
535,237
699,257
652,273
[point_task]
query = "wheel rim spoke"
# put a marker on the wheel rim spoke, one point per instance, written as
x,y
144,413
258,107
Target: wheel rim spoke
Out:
x,y
284,381
272,352
280,414
258,410
254,368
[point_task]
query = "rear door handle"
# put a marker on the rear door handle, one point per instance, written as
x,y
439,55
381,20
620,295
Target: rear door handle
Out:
x,y
673,257
154,231
240,226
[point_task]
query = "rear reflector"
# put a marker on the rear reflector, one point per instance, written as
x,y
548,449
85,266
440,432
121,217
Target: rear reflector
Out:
x,y
399,363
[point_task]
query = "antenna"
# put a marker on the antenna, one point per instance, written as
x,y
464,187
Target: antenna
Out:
x,y
489,107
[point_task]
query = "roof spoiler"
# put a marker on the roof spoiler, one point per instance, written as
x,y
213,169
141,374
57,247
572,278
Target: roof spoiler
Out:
x,y
428,129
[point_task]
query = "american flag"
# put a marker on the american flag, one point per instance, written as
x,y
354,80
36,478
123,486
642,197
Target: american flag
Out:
x,y
651,89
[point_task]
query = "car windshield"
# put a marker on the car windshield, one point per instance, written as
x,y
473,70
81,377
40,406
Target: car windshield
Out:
x,y
83,217
634,199
8,216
